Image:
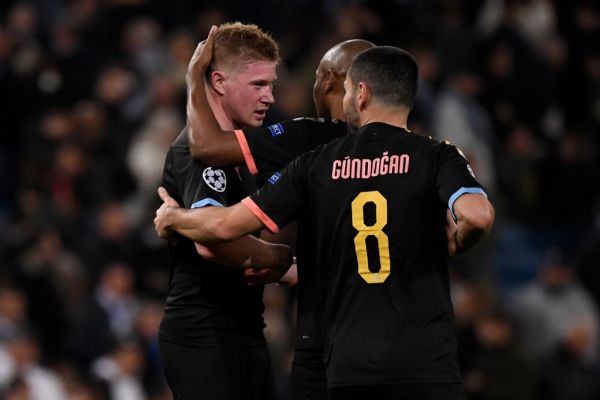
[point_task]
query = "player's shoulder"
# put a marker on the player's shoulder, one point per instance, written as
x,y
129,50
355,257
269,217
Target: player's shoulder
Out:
x,y
431,144
181,143
342,144
180,156
303,123
440,151
317,121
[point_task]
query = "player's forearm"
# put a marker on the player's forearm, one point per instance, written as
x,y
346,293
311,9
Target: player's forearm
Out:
x,y
199,225
207,141
249,252
200,130
475,217
210,224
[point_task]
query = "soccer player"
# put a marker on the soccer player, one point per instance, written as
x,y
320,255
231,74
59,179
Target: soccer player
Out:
x,y
267,150
378,202
211,337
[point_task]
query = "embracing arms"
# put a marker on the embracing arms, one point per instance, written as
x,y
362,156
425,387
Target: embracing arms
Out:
x,y
207,225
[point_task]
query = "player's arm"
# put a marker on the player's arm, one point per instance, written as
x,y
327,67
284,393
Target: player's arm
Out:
x,y
211,225
273,206
474,219
248,252
470,214
205,225
261,149
207,141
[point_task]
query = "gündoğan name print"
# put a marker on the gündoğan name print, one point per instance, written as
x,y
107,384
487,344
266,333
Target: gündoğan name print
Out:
x,y
364,168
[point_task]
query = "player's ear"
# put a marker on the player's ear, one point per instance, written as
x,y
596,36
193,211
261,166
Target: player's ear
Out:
x,y
363,95
330,80
217,81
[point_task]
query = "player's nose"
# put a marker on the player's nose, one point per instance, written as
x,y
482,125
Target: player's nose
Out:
x,y
268,97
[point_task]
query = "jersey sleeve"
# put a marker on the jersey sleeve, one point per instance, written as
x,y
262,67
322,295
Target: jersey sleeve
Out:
x,y
455,176
270,148
206,186
281,199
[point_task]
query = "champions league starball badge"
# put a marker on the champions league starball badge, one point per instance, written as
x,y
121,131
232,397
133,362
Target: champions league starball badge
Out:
x,y
215,179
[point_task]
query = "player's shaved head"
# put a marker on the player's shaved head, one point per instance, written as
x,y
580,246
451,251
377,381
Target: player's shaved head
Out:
x,y
328,92
340,57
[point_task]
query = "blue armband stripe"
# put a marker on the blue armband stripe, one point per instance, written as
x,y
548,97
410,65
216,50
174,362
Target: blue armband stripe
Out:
x,y
460,192
206,202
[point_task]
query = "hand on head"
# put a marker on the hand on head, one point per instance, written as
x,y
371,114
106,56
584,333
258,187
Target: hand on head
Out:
x,y
202,57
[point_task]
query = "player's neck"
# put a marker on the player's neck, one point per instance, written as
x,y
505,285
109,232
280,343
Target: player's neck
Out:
x,y
337,112
387,115
216,104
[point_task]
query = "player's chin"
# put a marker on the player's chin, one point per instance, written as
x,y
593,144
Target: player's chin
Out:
x,y
257,119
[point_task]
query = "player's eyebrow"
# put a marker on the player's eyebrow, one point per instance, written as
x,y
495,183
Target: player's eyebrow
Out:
x,y
262,82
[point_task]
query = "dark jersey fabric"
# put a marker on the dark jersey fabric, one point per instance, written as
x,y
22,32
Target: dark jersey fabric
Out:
x,y
207,304
218,373
399,330
272,148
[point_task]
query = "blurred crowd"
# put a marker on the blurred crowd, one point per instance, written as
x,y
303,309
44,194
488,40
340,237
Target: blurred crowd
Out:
x,y
93,92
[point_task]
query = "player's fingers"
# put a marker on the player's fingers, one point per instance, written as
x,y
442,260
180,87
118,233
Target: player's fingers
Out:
x,y
211,35
250,272
252,275
198,49
206,49
208,41
164,196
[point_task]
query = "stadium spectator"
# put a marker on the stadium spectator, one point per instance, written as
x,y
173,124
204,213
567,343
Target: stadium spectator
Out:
x,y
547,309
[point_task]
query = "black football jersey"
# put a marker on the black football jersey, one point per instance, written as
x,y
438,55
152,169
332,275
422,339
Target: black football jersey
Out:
x,y
377,202
266,151
207,304
269,149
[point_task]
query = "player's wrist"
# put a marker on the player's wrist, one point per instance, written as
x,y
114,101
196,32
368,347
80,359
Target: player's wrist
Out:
x,y
170,219
287,256
282,256
458,242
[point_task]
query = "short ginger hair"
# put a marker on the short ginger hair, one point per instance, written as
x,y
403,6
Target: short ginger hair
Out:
x,y
236,43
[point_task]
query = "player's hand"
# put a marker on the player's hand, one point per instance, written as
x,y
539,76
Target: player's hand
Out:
x,y
201,58
279,276
161,224
166,198
262,276
290,278
451,230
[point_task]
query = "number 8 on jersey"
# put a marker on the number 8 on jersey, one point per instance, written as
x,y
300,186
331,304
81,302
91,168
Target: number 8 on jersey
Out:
x,y
376,230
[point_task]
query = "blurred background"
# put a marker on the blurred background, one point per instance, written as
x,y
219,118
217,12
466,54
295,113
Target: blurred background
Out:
x,y
93,92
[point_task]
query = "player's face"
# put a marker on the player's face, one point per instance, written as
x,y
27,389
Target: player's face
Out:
x,y
350,108
249,92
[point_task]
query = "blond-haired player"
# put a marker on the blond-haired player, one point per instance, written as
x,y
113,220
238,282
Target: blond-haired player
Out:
x,y
211,337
